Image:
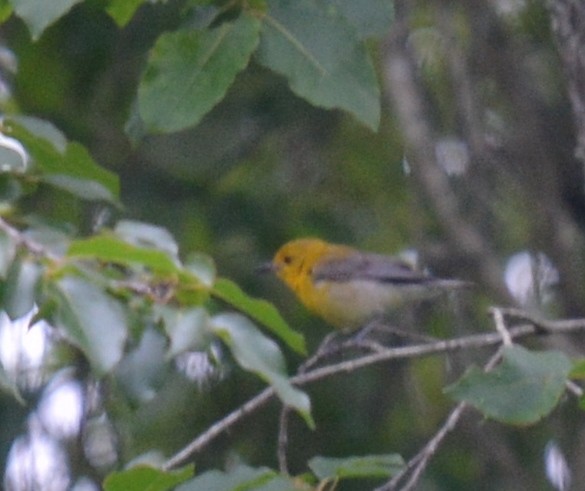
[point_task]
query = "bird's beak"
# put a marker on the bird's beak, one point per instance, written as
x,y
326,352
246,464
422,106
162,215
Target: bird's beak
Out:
x,y
267,267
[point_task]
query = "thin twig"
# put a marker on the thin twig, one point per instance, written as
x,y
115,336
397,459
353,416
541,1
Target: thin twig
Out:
x,y
22,240
416,466
327,348
573,388
535,326
501,326
283,440
418,463
218,428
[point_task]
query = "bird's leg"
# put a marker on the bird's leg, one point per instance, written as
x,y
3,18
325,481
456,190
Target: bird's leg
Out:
x,y
336,343
326,348
380,325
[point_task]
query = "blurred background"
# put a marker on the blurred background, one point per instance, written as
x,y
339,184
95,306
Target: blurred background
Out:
x,y
505,210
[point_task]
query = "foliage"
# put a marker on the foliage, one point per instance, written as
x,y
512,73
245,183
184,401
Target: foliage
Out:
x,y
524,388
137,131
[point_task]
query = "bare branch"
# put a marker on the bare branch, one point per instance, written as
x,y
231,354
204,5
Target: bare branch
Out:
x,y
405,92
568,21
29,244
283,440
501,326
574,389
529,327
218,428
416,466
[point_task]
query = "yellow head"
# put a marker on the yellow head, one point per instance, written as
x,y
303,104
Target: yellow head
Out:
x,y
298,264
293,263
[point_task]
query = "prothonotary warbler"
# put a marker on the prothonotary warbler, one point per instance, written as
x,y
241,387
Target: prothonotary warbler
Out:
x,y
347,287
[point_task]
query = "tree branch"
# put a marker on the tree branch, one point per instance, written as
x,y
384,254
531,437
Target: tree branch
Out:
x,y
529,326
404,90
416,466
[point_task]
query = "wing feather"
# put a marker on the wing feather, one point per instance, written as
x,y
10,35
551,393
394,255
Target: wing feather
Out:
x,y
369,267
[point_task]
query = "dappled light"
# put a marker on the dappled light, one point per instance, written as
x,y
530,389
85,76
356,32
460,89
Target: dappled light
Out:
x,y
531,279
61,407
24,349
36,461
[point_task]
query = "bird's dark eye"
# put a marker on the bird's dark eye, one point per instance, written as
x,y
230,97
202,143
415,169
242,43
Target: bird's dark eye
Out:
x,y
287,259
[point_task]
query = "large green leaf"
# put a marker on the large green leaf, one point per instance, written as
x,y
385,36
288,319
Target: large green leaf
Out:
x,y
93,321
524,388
261,311
238,479
110,248
189,72
258,354
20,289
370,18
367,466
322,57
38,15
7,253
144,478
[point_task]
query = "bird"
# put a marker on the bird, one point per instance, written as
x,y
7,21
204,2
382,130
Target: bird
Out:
x,y
349,288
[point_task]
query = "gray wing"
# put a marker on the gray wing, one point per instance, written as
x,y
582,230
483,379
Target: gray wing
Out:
x,y
369,267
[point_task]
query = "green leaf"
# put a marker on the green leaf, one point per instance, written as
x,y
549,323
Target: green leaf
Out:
x,y
187,330
144,478
93,321
524,388
110,248
70,168
258,354
370,18
42,129
13,157
282,483
7,383
5,10
147,235
78,164
203,267
83,188
38,15
7,253
141,372
578,370
368,466
20,290
123,10
189,72
238,479
260,310
321,56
